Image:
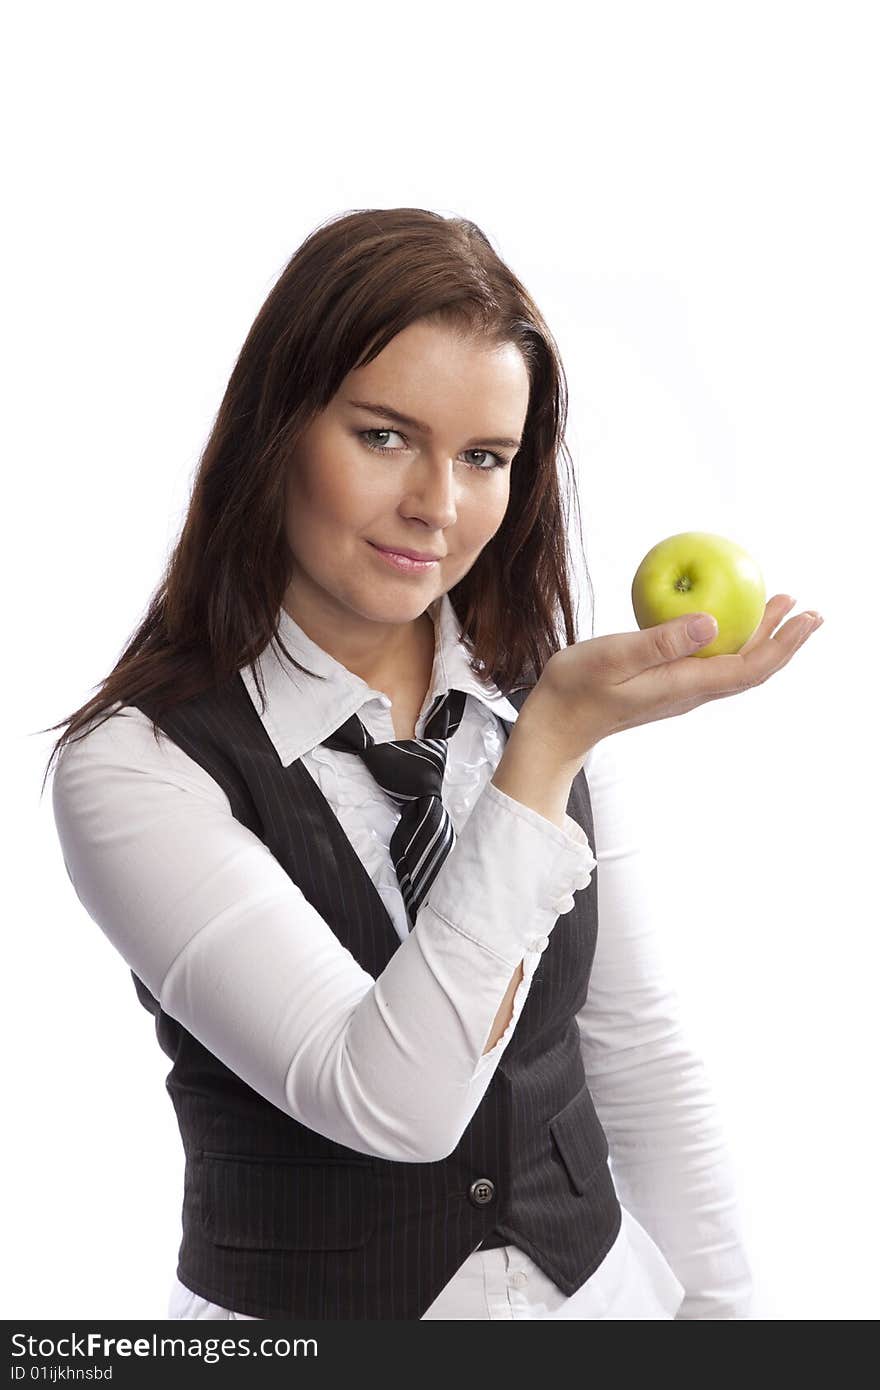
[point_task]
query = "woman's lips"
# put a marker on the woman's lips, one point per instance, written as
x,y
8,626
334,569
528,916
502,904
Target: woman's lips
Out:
x,y
403,563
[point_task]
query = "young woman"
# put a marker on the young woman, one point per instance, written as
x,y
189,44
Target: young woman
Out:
x,y
347,807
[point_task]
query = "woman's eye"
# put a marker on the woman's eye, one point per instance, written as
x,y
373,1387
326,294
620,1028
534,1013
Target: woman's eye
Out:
x,y
385,449
379,448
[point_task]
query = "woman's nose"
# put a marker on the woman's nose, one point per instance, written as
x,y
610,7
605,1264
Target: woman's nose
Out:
x,y
431,492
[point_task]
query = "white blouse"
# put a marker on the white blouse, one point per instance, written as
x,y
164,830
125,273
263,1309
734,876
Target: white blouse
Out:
x,y
394,1067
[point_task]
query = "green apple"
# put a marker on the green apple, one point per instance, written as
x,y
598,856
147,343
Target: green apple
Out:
x,y
696,571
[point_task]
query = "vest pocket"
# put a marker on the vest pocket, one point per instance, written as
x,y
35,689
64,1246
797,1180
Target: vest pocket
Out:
x,y
258,1204
580,1139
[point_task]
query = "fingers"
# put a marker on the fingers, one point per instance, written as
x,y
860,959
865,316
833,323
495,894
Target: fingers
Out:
x,y
762,656
685,684
774,611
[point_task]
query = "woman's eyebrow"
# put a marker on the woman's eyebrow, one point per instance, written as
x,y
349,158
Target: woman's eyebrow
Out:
x,y
379,409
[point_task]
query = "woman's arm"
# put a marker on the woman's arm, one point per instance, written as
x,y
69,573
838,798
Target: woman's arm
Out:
x,y
534,776
668,1154
204,914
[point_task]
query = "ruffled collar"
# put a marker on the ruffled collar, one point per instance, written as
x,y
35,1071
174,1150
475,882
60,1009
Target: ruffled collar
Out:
x,y
300,711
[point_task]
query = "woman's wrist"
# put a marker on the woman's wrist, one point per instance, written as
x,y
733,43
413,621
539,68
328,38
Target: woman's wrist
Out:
x,y
536,768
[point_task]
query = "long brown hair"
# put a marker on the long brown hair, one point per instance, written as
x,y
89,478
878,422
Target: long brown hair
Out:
x,y
354,283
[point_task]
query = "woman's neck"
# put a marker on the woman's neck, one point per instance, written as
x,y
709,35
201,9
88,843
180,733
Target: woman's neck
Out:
x,y
397,659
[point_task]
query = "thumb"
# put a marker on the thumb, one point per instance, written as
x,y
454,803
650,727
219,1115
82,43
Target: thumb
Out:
x,y
665,642
699,628
678,637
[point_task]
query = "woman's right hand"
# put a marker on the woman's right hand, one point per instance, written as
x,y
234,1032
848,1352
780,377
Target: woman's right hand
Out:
x,y
605,684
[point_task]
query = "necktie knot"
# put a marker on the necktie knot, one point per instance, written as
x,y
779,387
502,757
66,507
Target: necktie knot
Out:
x,y
411,771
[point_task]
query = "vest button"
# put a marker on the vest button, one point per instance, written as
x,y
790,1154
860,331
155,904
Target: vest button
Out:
x,y
482,1191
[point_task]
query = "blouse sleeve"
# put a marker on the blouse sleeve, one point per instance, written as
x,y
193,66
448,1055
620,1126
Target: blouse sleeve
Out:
x,y
667,1151
208,919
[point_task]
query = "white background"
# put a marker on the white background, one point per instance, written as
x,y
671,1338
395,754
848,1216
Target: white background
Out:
x,y
689,191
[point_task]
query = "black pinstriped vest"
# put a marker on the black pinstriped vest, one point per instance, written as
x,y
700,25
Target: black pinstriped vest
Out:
x,y
279,1221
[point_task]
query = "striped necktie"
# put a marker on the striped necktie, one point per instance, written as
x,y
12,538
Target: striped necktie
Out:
x,y
411,771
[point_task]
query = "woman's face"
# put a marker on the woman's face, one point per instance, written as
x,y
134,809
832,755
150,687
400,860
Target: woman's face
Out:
x,y
441,488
